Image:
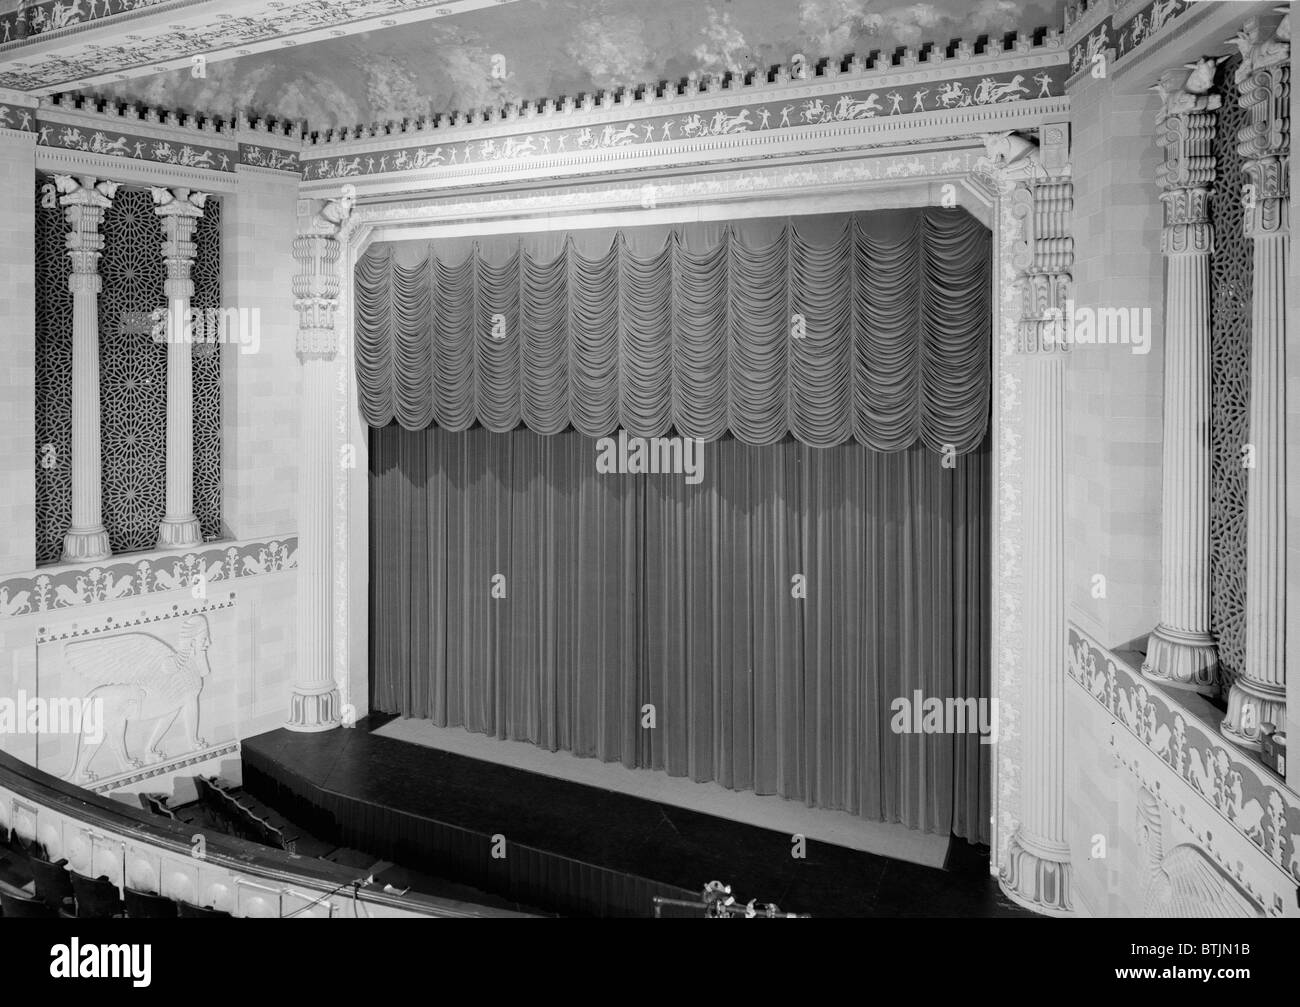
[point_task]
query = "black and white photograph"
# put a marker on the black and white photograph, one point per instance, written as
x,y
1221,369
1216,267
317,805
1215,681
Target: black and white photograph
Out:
x,y
608,459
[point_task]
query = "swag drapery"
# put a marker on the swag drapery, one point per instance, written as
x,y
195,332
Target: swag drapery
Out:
x,y
621,590
867,327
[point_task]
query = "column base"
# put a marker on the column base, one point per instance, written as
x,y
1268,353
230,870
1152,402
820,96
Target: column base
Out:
x,y
1036,875
1249,705
174,532
314,708
1182,660
85,545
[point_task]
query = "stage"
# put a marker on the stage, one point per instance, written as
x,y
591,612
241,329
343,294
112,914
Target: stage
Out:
x,y
573,849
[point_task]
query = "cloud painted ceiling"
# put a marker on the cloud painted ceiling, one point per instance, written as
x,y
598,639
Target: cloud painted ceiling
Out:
x,y
551,48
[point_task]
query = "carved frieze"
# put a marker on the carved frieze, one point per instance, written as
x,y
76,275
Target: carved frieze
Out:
x,y
1237,791
74,587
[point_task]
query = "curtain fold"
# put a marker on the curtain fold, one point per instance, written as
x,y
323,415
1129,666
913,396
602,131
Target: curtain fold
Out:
x,y
770,614
875,329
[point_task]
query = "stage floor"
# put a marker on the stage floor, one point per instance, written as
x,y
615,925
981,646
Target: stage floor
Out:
x,y
789,817
575,849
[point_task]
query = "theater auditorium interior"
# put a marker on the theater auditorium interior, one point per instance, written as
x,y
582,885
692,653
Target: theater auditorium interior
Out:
x,y
585,458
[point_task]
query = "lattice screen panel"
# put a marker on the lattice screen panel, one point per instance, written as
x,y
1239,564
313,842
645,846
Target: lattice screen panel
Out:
x,y
133,378
132,375
207,377
53,379
1230,287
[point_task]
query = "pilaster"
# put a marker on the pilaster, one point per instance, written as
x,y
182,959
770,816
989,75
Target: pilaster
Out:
x,y
1036,868
314,698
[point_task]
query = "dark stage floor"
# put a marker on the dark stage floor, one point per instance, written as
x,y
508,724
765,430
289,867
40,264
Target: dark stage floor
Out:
x,y
578,850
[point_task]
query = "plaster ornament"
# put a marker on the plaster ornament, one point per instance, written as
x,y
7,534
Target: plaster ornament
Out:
x,y
138,677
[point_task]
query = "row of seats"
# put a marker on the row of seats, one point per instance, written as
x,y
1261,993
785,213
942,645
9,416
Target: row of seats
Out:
x,y
61,892
267,829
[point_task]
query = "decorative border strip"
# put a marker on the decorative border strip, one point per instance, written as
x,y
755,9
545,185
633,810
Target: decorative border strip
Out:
x,y
256,156
775,116
137,578
136,146
21,119
109,624
1123,33
1241,792
211,33
102,786
33,20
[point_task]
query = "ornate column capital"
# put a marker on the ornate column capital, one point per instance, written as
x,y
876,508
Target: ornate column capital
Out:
x,y
1044,256
178,210
1185,128
1264,84
316,285
84,200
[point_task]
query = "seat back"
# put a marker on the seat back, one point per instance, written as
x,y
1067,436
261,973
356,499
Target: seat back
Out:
x,y
17,907
148,906
189,912
97,898
53,883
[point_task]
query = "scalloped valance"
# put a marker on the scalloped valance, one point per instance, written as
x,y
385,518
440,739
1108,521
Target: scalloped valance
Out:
x,y
876,328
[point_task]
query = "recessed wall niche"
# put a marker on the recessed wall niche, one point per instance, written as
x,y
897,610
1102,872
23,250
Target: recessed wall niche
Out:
x,y
133,375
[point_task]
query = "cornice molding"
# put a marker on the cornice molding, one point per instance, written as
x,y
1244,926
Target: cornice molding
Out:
x,y
799,142
131,170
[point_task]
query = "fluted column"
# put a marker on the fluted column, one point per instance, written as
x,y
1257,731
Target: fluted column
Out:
x,y
179,211
1181,651
85,201
1258,696
314,701
1036,870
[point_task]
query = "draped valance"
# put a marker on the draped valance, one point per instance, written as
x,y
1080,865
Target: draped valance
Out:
x,y
875,328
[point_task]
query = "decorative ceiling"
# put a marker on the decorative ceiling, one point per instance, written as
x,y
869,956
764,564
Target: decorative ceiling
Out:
x,y
532,49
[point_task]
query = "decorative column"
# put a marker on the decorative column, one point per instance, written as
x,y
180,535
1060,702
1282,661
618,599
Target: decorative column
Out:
x,y
1036,870
1180,651
314,701
85,200
179,211
1263,80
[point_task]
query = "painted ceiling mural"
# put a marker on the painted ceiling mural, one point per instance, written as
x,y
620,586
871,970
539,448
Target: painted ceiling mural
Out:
x,y
555,48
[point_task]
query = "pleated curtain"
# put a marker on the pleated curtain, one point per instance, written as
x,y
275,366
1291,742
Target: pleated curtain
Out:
x,y
620,590
852,454
876,329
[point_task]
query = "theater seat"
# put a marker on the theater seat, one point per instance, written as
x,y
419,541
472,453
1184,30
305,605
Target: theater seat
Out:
x,y
97,898
148,906
53,884
18,907
189,912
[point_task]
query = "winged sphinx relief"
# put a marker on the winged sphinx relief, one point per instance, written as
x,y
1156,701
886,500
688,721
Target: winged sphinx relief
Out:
x,y
140,679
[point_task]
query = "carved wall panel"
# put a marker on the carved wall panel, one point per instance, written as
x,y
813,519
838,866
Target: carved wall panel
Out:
x,y
163,684
1230,278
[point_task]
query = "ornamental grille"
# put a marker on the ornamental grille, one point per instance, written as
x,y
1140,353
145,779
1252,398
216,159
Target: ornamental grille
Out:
x,y
1230,304
132,375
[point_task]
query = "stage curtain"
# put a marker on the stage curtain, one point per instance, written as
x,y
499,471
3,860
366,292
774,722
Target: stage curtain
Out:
x,y
616,591
871,327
